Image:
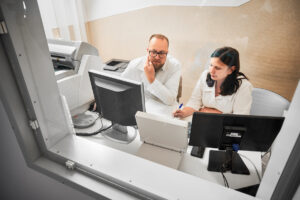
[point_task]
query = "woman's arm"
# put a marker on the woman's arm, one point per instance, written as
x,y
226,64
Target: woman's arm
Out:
x,y
185,112
209,110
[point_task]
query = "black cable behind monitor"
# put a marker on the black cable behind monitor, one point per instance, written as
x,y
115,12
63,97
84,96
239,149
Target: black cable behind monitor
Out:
x,y
100,130
94,133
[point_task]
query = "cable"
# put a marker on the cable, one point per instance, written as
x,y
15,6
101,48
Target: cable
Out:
x,y
259,178
223,169
225,180
96,132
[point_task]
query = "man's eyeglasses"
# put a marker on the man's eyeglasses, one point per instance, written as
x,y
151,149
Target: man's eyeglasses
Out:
x,y
160,54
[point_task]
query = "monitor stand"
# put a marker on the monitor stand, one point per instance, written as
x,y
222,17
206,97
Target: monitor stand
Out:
x,y
84,120
119,133
222,161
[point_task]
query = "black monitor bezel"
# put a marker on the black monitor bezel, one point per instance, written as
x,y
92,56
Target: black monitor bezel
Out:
x,y
213,130
93,74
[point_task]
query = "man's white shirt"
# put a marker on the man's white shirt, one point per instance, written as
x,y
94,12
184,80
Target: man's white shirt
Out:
x,y
165,86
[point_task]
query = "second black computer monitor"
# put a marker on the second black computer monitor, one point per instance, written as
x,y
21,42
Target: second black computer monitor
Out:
x,y
232,132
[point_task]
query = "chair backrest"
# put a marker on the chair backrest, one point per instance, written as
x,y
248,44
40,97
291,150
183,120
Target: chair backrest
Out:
x,y
179,89
266,102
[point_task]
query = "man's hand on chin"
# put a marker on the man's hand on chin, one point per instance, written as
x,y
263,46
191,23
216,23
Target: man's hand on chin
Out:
x,y
149,70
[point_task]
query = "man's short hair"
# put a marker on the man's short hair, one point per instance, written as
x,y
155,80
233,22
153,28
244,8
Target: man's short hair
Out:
x,y
159,36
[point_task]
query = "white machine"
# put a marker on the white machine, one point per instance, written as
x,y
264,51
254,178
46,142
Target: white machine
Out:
x,y
165,140
72,60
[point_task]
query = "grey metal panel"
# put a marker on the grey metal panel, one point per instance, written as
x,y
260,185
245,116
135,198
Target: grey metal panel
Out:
x,y
14,107
28,53
289,180
20,182
17,103
16,175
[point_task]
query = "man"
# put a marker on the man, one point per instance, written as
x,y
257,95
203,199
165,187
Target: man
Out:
x,y
159,71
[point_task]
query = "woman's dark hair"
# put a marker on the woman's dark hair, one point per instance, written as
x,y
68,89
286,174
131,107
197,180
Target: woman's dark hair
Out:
x,y
230,57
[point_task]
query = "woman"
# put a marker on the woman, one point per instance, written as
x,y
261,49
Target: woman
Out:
x,y
222,88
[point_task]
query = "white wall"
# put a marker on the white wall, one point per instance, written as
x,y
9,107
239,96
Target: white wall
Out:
x,y
63,14
48,16
96,9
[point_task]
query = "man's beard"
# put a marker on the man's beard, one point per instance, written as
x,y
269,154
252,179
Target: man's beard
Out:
x,y
157,66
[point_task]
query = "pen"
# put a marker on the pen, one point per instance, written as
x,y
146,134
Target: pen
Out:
x,y
180,106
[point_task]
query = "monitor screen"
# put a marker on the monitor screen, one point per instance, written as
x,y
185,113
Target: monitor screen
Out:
x,y
233,132
117,99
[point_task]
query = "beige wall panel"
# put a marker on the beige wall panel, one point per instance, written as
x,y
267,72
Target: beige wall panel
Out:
x,y
88,33
56,32
71,32
266,33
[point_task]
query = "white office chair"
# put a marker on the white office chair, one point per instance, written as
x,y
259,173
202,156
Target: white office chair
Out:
x,y
268,103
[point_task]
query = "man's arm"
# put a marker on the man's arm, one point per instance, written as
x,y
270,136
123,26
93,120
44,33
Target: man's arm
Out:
x,y
149,71
168,91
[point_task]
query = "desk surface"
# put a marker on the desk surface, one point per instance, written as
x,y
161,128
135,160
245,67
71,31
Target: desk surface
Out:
x,y
189,164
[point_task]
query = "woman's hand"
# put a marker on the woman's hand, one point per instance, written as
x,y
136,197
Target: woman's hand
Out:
x,y
185,112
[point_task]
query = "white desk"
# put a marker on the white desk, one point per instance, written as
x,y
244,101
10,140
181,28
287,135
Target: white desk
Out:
x,y
158,108
198,167
191,165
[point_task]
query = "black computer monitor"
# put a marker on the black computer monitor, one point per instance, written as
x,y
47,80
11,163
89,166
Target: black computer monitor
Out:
x,y
117,99
231,132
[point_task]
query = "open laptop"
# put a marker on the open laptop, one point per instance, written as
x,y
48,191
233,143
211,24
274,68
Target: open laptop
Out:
x,y
165,140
